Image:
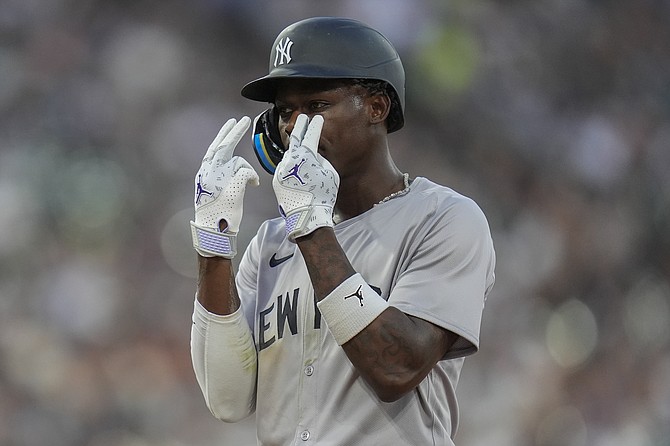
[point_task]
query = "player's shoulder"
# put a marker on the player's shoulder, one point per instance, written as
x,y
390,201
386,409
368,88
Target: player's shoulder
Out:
x,y
444,200
452,212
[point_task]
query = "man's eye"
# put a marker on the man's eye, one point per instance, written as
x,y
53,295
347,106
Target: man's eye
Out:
x,y
284,112
315,106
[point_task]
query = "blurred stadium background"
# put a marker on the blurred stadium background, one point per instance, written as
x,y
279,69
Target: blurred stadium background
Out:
x,y
552,114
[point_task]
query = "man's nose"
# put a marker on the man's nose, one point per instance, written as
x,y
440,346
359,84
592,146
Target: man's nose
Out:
x,y
291,122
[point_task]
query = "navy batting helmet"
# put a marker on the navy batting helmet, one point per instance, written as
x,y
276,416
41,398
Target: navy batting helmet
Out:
x,y
325,48
332,48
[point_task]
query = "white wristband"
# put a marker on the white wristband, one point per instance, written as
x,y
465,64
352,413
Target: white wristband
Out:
x,y
351,307
210,242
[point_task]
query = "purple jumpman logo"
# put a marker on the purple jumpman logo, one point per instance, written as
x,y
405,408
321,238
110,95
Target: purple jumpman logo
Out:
x,y
200,191
294,172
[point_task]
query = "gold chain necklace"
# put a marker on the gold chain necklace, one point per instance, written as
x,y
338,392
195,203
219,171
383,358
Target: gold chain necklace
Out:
x,y
405,179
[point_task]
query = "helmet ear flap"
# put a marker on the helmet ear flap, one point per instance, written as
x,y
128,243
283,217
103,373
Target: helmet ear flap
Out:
x,y
266,140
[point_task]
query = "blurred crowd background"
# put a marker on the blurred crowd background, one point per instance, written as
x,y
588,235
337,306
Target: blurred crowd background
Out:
x,y
554,115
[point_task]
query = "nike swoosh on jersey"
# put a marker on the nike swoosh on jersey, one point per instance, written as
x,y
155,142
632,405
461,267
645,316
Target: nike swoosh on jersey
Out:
x,y
274,261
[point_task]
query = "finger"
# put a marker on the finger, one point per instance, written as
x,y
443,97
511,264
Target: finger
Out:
x,y
248,176
220,158
230,141
313,133
298,132
237,132
246,172
211,150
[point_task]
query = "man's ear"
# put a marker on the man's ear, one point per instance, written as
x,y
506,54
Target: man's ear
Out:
x,y
380,107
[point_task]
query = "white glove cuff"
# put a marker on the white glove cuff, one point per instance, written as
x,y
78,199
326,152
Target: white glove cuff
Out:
x,y
209,242
351,307
306,220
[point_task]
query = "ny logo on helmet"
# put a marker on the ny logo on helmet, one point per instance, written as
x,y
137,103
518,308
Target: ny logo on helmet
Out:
x,y
283,52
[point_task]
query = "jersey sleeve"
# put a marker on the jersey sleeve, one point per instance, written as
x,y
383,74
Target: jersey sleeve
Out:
x,y
246,280
449,273
224,360
223,348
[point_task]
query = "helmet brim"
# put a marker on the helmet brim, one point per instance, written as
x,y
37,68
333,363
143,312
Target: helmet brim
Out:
x,y
264,89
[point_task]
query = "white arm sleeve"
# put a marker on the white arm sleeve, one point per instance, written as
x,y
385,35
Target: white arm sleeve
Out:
x,y
224,360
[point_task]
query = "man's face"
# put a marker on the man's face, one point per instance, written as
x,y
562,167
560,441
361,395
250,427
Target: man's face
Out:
x,y
344,109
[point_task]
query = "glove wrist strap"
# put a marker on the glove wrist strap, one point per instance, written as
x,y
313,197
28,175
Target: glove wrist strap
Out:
x,y
305,221
209,242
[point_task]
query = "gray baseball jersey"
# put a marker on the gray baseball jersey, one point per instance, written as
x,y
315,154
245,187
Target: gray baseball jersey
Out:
x,y
430,254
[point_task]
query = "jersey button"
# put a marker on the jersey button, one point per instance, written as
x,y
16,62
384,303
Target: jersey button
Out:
x,y
304,435
309,370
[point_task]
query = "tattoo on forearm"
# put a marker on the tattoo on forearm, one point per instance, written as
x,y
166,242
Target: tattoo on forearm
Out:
x,y
328,266
383,347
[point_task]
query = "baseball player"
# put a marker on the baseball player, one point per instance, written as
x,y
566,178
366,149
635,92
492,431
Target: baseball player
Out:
x,y
350,314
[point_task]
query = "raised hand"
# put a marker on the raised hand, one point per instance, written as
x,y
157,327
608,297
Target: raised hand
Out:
x,y
219,191
304,182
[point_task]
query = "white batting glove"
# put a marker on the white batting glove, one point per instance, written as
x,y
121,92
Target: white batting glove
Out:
x,y
219,191
305,183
